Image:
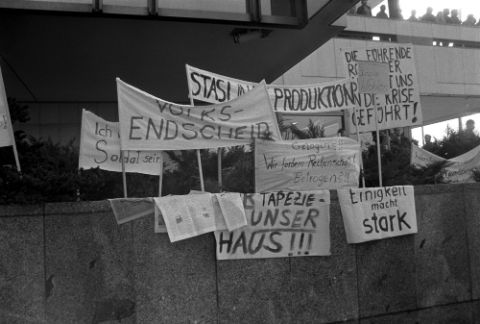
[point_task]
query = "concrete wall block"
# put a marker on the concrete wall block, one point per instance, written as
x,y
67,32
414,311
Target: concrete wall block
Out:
x,y
174,282
324,289
21,269
89,276
386,276
472,212
441,253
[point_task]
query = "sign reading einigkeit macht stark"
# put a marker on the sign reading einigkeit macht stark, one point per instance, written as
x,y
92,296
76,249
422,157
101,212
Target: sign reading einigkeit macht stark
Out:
x,y
377,213
312,164
295,99
148,123
280,224
400,106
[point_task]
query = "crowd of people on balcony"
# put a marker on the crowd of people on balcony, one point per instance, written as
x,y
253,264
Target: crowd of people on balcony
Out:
x,y
443,17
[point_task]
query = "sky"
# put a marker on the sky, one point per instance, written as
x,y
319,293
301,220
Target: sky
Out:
x,y
464,7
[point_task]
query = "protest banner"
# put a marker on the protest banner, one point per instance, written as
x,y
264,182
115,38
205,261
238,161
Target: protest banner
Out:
x,y
312,164
100,147
280,224
461,168
149,123
401,106
288,99
421,158
7,137
377,213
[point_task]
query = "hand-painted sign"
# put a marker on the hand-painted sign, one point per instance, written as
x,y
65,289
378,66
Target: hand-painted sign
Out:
x,y
100,147
401,106
302,99
378,213
461,168
6,129
280,224
421,158
149,123
313,164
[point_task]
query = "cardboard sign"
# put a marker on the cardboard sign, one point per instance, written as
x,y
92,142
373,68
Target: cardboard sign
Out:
x,y
400,106
378,213
460,169
6,129
280,224
149,123
421,158
313,164
313,98
100,147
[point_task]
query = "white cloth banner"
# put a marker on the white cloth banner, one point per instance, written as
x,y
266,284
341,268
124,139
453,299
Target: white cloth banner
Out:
x,y
401,106
378,213
421,158
6,129
460,169
199,213
280,224
100,147
313,164
295,99
149,123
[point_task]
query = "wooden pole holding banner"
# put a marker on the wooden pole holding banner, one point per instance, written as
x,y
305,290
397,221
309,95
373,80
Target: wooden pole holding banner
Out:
x,y
160,179
360,142
124,176
199,158
219,168
379,156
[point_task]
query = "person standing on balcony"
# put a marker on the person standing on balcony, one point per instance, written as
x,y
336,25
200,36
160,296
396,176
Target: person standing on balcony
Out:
x,y
382,13
428,16
440,19
446,17
364,9
454,19
413,16
470,21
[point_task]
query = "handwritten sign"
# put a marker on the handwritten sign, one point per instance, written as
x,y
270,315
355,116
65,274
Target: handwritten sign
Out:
x,y
461,168
280,224
313,98
377,213
149,123
421,158
323,163
373,77
100,147
400,106
6,130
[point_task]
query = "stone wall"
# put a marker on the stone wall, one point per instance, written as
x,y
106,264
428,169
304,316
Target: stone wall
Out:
x,y
71,263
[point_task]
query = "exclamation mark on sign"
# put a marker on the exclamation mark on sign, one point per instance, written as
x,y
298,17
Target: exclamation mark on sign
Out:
x,y
414,120
300,245
309,245
292,242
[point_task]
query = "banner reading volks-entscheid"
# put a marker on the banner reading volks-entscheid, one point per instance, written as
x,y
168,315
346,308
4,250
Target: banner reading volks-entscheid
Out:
x,y
288,99
148,123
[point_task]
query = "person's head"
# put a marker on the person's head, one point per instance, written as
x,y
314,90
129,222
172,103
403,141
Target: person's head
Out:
x,y
454,13
414,13
398,131
429,10
470,125
341,132
428,139
364,2
446,11
470,17
383,8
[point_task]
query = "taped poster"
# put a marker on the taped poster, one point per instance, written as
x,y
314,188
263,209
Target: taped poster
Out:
x,y
461,168
128,209
149,123
6,129
421,158
288,99
377,213
400,106
312,164
100,147
280,224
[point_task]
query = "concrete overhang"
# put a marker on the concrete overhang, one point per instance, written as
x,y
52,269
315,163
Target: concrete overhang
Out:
x,y
49,56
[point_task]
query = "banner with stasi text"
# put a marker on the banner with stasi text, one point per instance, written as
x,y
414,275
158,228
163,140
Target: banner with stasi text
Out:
x,y
400,106
148,123
377,213
280,224
311,164
100,147
288,99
